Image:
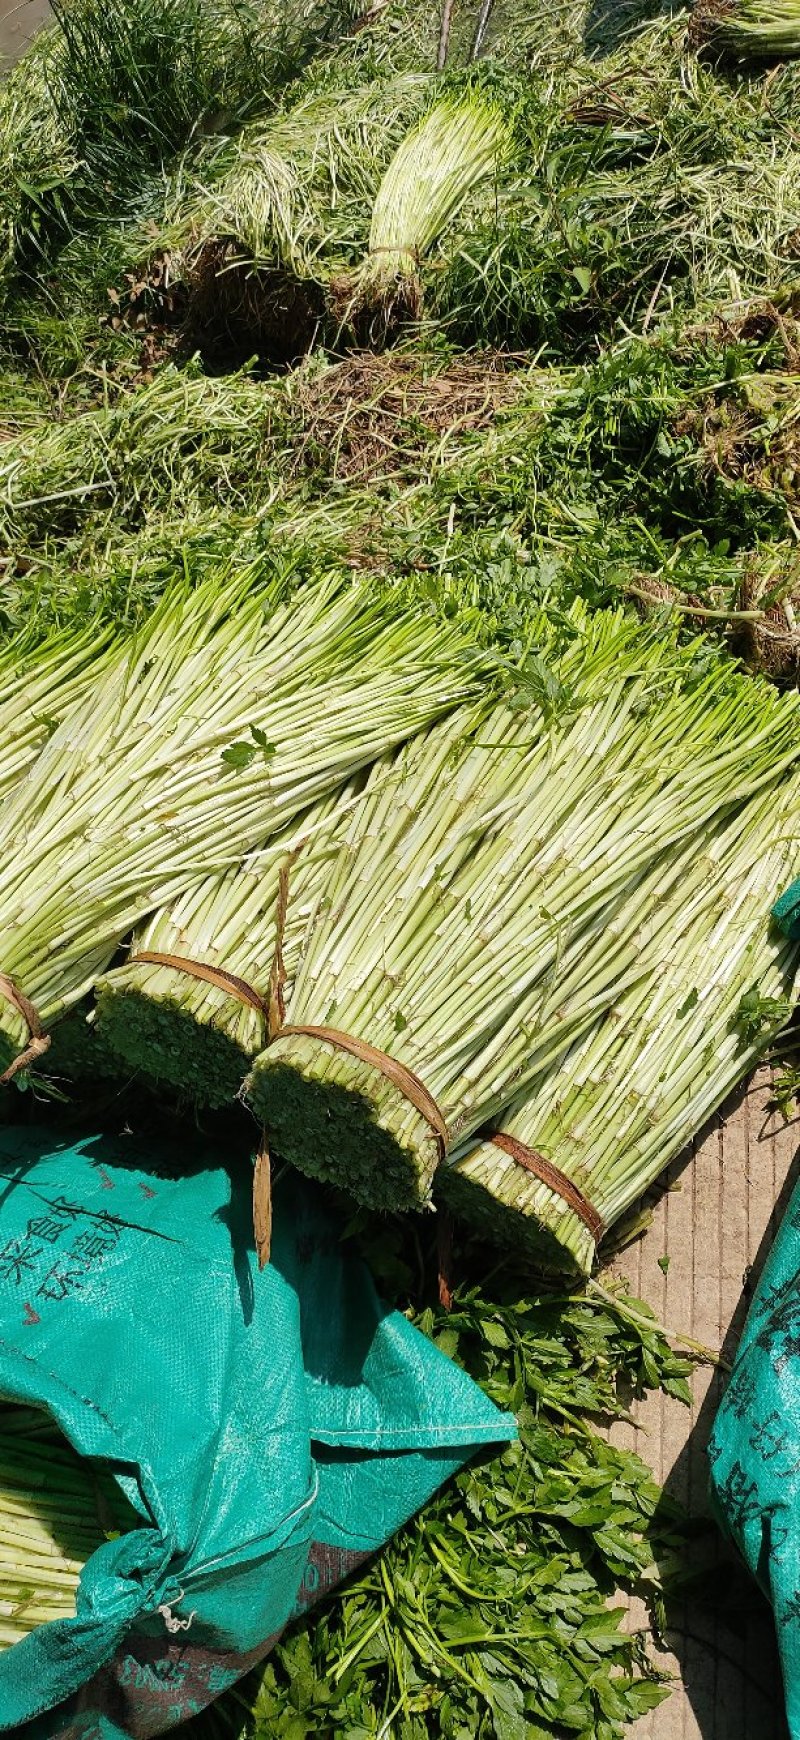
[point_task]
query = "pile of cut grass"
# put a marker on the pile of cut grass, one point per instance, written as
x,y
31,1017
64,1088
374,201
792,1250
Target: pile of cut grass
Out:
x,y
611,211
104,506
634,189
181,443
649,188
273,213
110,94
399,416
505,482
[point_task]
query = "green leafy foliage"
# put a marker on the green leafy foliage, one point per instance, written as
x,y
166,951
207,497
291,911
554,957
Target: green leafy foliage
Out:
x,y
755,1013
240,754
146,77
489,1615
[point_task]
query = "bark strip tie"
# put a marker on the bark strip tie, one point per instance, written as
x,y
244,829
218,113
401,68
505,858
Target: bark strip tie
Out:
x,y
444,1256
262,1202
554,1178
276,1003
38,1040
397,248
409,1084
218,976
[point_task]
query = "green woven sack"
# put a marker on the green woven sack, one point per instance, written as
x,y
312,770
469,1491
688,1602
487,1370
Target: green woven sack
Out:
x,y
755,1448
270,1429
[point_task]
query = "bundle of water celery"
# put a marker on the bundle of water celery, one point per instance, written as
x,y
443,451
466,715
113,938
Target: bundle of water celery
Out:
x,y
191,1005
474,884
227,715
583,1141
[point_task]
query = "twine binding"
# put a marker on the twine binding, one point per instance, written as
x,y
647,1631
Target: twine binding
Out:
x,y
38,1040
555,1179
276,1003
272,1010
409,1084
444,1256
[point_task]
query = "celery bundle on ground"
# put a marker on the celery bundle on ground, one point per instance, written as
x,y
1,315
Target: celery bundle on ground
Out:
x,y
200,1031
472,888
747,30
270,215
55,1511
229,713
588,1136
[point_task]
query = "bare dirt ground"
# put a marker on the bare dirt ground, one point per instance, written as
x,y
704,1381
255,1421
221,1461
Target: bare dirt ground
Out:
x,y
18,21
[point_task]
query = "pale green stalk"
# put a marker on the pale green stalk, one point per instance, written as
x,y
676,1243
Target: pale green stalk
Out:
x,y
634,1090
132,799
196,1036
51,1506
38,687
748,30
301,184
459,144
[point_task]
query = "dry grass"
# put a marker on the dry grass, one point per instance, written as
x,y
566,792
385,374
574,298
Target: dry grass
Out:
x,y
772,644
370,417
750,435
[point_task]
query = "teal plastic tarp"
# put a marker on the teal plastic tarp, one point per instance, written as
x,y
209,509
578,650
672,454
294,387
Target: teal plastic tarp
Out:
x,y
271,1429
